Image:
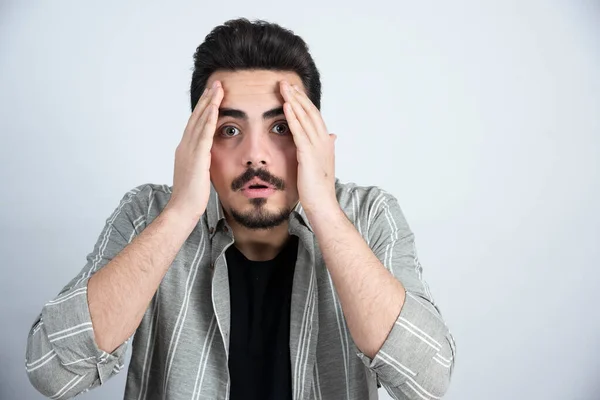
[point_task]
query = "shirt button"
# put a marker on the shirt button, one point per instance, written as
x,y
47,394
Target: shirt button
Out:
x,y
211,229
225,228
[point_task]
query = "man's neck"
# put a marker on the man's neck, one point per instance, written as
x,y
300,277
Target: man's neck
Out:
x,y
260,244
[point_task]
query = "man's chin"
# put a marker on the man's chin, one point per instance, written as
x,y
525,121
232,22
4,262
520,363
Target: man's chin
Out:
x,y
263,218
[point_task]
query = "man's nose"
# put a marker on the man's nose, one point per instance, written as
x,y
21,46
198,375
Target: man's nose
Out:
x,y
256,152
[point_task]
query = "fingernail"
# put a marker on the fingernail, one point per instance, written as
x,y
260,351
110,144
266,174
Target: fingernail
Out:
x,y
215,84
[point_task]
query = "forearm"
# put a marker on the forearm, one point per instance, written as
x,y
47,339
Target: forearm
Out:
x,y
119,293
370,296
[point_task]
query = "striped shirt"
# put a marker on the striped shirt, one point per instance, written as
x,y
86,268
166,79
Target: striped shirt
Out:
x,y
180,349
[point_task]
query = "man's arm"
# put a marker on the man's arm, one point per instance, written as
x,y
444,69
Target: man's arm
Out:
x,y
389,312
119,294
82,335
73,345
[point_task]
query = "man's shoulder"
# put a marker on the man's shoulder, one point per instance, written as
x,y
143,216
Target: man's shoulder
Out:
x,y
141,197
370,208
363,204
150,189
352,195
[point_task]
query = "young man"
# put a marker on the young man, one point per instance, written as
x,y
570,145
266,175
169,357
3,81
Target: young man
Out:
x,y
258,274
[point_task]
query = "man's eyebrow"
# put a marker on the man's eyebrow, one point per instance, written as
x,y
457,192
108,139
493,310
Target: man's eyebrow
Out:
x,y
239,114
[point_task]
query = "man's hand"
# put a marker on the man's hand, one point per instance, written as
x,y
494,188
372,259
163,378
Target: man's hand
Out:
x,y
191,181
315,151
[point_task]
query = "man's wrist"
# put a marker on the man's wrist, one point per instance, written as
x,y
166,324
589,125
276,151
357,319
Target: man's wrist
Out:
x,y
326,215
181,217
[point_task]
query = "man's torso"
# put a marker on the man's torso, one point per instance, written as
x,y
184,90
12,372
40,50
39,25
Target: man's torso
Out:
x,y
181,348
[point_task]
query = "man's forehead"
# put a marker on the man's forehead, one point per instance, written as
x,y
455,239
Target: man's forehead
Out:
x,y
251,97
253,82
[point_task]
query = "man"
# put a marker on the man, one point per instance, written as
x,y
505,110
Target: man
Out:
x,y
258,274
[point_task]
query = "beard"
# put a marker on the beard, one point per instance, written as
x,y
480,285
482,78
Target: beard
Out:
x,y
260,217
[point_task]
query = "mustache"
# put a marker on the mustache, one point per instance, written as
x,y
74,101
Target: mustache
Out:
x,y
262,174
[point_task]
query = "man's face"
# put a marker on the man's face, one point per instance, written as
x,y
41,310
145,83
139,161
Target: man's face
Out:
x,y
254,144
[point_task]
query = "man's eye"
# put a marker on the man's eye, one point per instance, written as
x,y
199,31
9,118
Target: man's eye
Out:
x,y
229,131
281,129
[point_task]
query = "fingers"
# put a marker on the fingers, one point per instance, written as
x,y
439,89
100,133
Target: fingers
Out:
x,y
308,116
209,97
205,129
199,107
311,110
300,138
205,98
304,126
198,119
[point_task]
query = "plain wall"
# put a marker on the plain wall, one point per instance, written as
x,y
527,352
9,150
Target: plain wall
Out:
x,y
483,118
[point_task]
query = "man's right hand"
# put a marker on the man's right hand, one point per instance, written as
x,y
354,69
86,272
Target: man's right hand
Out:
x,y
191,180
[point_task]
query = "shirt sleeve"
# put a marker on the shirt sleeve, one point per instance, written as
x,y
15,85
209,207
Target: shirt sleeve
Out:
x,y
416,360
62,356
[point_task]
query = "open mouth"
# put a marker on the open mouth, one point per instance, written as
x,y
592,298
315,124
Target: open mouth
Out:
x,y
255,190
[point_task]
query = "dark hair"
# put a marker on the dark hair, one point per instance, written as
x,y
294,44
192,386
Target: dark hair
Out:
x,y
243,45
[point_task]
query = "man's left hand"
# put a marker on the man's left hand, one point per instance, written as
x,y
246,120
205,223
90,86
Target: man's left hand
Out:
x,y
315,151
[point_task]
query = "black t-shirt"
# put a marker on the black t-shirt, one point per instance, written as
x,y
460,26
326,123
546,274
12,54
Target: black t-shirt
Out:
x,y
259,351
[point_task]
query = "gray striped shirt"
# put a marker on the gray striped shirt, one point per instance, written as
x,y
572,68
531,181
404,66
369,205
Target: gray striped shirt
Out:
x,y
180,349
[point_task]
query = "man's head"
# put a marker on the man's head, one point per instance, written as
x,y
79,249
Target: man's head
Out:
x,y
252,142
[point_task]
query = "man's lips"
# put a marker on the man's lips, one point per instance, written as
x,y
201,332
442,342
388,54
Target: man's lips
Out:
x,y
257,184
257,188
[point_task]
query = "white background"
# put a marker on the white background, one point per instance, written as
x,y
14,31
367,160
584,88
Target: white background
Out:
x,y
483,118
